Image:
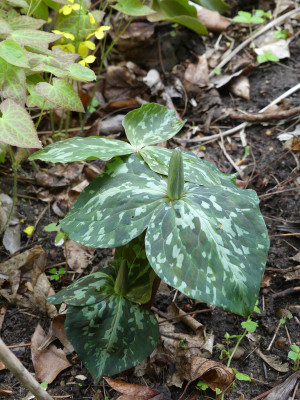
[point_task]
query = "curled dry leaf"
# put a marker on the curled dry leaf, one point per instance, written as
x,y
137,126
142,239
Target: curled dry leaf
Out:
x,y
47,363
57,331
78,256
12,237
292,275
60,175
240,86
26,270
191,322
196,74
283,391
131,391
213,21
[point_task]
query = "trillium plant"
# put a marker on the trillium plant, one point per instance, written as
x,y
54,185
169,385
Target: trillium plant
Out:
x,y
170,215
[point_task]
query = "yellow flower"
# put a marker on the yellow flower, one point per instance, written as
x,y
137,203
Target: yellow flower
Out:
x,y
67,35
68,48
99,32
29,230
91,18
87,60
67,9
84,47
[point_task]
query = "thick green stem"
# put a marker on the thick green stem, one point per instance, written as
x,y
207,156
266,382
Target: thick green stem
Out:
x,y
175,176
121,284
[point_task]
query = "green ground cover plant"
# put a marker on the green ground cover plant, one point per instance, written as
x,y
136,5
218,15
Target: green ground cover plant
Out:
x,y
168,214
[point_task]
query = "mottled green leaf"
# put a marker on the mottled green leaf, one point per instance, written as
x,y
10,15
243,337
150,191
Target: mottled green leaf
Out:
x,y
90,289
18,3
190,22
80,73
215,5
150,124
61,93
16,126
132,7
13,53
211,245
34,99
111,336
33,37
25,22
12,81
80,149
141,274
172,8
112,211
195,170
39,9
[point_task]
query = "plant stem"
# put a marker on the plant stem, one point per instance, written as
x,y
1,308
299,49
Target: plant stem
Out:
x,y
236,346
67,122
21,373
52,122
15,169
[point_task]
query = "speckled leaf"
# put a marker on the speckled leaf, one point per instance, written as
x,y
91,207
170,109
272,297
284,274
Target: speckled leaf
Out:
x,y
195,170
18,3
4,27
81,73
150,124
33,37
111,336
12,82
34,99
80,149
13,53
16,126
211,245
25,22
111,211
141,274
61,93
88,290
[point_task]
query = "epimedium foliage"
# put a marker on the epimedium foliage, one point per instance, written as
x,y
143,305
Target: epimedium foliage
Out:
x,y
31,74
202,234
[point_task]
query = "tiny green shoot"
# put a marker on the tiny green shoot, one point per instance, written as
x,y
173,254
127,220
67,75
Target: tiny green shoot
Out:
x,y
282,34
294,354
217,71
44,385
56,274
267,55
182,344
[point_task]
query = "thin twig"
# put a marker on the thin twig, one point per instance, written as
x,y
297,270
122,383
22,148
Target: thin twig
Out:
x,y
21,373
263,117
256,34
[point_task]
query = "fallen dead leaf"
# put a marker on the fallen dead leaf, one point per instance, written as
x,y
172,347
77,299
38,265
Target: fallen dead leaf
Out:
x,y
196,74
60,175
2,366
12,237
78,256
293,275
296,257
5,392
57,331
240,86
273,361
284,390
131,391
279,48
213,21
29,285
47,363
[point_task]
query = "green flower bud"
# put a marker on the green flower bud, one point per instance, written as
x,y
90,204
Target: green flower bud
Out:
x,y
175,176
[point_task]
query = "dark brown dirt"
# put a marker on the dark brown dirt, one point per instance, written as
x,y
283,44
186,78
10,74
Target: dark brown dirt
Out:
x,y
267,82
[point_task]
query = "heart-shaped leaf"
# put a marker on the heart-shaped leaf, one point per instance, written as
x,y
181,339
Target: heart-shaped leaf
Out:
x,y
150,124
80,149
12,82
80,73
13,53
211,244
16,126
132,7
61,93
4,27
24,22
215,5
33,37
109,336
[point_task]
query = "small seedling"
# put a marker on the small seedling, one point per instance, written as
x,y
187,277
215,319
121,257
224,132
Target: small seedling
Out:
x,y
295,355
182,344
44,385
267,55
202,386
280,34
241,377
54,227
217,71
56,274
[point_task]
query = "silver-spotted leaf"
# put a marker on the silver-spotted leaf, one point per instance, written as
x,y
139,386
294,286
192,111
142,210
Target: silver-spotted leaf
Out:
x,y
16,126
90,289
150,124
195,170
80,149
141,274
112,335
111,211
61,93
12,81
211,245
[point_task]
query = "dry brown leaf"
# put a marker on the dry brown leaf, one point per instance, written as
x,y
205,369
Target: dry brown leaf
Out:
x,y
6,392
57,331
273,361
284,390
47,363
131,391
2,366
78,256
12,236
267,42
213,21
293,275
240,86
296,257
60,175
191,322
26,270
197,74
